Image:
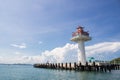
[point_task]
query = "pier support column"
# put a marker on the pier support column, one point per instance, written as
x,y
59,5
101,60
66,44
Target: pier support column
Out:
x,y
75,65
65,65
70,66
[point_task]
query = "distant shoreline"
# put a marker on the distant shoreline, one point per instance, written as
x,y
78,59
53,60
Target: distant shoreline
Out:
x,y
14,64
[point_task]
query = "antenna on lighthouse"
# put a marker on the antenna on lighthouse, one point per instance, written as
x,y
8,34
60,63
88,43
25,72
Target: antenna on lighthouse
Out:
x,y
80,36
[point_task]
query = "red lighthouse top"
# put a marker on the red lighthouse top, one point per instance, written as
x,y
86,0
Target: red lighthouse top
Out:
x,y
80,31
79,27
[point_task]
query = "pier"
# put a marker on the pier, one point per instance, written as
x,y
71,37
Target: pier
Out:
x,y
78,67
80,36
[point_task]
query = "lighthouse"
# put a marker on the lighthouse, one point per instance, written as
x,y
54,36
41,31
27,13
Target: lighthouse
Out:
x,y
80,36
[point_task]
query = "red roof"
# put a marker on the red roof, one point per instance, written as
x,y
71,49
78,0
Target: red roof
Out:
x,y
79,27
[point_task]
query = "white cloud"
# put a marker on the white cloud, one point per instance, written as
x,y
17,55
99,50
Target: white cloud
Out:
x,y
104,49
21,46
40,42
68,53
17,53
1,57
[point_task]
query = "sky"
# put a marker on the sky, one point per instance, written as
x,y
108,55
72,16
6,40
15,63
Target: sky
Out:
x,y
35,31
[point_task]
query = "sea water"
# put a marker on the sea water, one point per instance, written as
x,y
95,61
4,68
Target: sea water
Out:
x,y
28,72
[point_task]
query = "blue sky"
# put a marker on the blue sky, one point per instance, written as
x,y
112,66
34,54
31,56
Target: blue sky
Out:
x,y
30,27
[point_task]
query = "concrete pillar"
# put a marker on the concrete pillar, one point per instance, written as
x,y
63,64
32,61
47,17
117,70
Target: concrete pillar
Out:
x,y
70,66
65,65
81,53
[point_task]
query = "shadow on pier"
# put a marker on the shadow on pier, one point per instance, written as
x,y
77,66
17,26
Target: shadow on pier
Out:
x,y
104,67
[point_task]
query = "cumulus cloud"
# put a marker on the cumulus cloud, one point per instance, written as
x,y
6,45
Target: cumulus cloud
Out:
x,y
105,50
40,42
17,53
1,57
21,46
68,53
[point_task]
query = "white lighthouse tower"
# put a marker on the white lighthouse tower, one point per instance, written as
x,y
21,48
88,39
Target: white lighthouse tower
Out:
x,y
80,36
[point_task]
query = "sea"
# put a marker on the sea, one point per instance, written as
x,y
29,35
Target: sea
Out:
x,y
28,72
